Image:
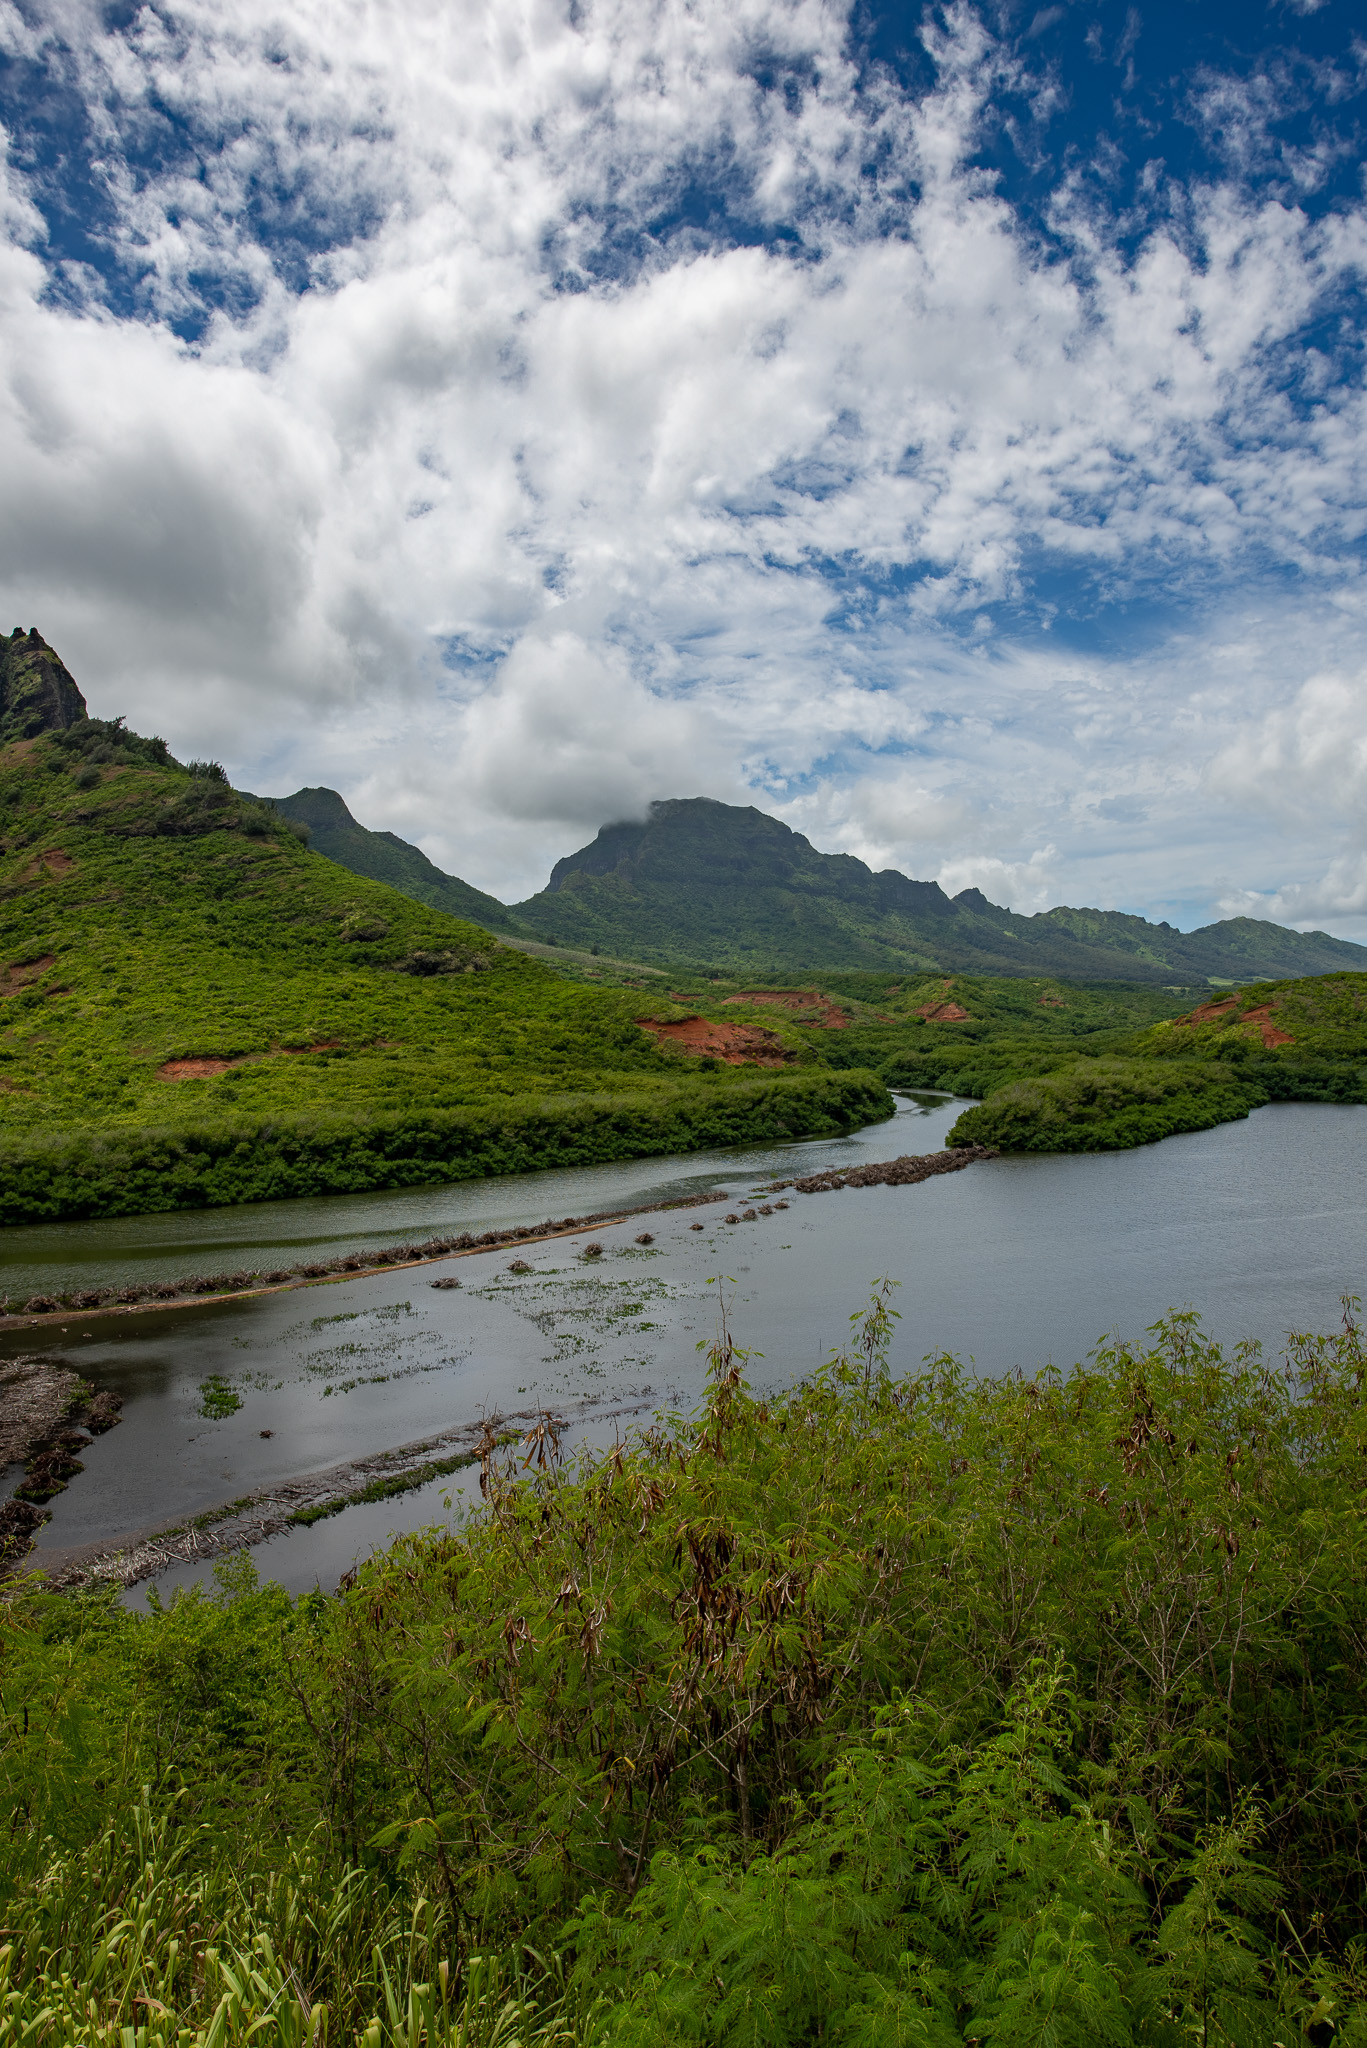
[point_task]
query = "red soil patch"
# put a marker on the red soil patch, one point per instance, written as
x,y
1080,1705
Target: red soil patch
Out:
x,y
12,979
1267,1030
1209,1013
940,1010
1052,1003
48,866
740,1045
825,1014
1260,1019
212,1063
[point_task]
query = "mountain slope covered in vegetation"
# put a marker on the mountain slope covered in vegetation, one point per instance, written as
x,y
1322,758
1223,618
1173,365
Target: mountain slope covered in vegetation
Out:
x,y
195,1009
725,885
384,857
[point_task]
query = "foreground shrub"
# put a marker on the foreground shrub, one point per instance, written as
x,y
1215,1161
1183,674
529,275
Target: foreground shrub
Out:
x,y
935,1710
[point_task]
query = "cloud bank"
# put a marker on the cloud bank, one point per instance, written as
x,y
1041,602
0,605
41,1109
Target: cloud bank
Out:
x,y
513,414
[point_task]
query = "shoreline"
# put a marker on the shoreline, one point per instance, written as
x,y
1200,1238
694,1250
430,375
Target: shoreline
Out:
x,y
253,1518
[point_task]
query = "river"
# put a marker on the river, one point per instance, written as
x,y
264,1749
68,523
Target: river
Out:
x,y
1261,1226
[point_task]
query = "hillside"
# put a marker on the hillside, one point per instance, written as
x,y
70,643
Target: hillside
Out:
x,y
727,886
384,857
196,1009
1302,1040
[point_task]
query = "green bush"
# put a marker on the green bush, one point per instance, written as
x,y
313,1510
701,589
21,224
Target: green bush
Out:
x,y
138,1171
1106,1105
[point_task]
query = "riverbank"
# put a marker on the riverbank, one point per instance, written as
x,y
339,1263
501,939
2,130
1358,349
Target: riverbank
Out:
x,y
1259,1226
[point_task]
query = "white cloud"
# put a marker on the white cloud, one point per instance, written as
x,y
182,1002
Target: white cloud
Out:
x,y
499,414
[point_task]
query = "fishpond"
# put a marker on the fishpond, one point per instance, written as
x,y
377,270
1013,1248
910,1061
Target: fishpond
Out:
x,y
1260,1226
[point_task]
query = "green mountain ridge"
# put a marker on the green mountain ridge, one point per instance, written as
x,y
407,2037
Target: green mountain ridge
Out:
x,y
727,884
384,857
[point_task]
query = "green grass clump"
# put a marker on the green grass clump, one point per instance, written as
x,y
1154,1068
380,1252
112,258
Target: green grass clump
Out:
x,y
930,1710
354,1038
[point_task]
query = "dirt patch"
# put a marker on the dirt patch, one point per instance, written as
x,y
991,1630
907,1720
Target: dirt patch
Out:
x,y
209,1064
822,1011
12,979
739,1045
48,866
1227,1010
942,1010
1052,1003
1210,1013
1261,1020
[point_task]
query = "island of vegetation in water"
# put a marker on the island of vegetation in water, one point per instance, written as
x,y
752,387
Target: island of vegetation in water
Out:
x,y
934,1711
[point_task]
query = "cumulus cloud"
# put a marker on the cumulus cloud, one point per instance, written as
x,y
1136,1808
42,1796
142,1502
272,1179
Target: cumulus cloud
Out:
x,y
410,432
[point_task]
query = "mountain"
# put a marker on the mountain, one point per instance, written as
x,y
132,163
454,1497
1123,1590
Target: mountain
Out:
x,y
729,886
195,1009
384,857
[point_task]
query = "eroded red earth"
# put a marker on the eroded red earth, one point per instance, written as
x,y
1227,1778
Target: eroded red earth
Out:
x,y
12,979
1260,1018
205,1067
821,1009
740,1045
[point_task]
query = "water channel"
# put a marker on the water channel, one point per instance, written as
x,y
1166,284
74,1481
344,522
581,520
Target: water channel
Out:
x,y
1261,1226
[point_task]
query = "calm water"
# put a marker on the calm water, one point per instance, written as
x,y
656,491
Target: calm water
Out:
x,y
1261,1226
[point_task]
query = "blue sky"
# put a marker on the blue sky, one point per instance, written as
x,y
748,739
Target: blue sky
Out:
x,y
943,427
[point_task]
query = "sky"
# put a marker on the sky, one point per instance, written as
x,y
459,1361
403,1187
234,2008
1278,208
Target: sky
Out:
x,y
941,427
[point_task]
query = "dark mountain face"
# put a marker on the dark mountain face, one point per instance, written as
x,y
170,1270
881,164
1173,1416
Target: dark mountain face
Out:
x,y
37,692
725,885
384,857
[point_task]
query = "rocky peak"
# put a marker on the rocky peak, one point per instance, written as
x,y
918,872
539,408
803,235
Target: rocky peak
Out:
x,y
37,692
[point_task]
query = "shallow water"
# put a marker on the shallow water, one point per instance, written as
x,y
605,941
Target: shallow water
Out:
x,y
122,1251
1260,1225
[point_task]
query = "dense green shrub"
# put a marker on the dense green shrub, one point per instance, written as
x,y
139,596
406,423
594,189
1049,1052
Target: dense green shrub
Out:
x,y
936,1711
1105,1105
123,1172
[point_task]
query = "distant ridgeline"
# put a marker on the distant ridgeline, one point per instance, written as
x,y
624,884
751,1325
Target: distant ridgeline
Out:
x,y
196,1009
384,857
722,885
